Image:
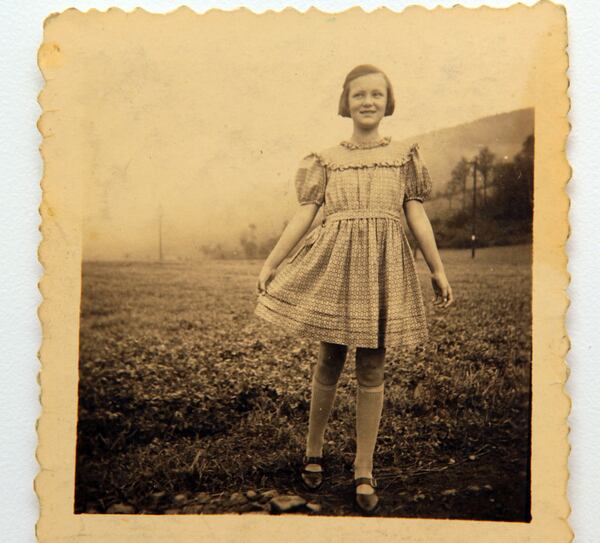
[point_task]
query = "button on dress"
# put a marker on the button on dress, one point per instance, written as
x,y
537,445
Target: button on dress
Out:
x,y
353,279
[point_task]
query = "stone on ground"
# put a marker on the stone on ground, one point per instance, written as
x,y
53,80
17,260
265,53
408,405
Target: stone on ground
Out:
x,y
268,495
193,509
180,499
120,509
237,498
283,504
202,498
251,506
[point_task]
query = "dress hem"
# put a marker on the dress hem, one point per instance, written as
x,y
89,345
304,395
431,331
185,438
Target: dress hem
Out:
x,y
332,336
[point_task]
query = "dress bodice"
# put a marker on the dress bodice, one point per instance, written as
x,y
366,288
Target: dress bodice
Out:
x,y
351,177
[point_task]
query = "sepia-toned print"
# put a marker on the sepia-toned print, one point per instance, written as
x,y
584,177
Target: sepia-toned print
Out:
x,y
307,262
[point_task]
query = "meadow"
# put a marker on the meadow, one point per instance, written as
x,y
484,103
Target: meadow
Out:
x,y
188,403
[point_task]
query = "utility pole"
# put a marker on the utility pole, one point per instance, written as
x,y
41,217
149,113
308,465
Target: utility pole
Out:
x,y
160,241
474,217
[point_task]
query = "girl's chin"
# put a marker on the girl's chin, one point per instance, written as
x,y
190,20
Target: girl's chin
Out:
x,y
367,119
366,123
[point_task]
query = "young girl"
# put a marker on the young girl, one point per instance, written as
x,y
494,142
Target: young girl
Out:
x,y
353,281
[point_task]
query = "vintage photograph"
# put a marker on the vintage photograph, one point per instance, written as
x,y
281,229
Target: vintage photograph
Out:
x,y
188,403
305,264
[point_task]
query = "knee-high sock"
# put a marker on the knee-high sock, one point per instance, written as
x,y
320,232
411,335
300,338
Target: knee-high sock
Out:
x,y
369,403
321,403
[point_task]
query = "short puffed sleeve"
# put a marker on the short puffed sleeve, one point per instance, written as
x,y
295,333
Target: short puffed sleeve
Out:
x,y
310,180
418,181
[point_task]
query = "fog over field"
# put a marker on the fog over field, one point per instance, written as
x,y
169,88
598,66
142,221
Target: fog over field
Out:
x,y
213,148
195,213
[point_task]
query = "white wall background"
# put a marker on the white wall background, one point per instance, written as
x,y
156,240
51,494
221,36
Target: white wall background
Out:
x,y
21,169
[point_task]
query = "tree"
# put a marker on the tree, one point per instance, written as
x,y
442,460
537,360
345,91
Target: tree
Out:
x,y
460,174
248,242
485,161
524,161
218,251
459,177
450,192
513,199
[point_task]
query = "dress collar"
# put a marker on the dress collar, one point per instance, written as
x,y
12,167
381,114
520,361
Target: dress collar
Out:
x,y
370,145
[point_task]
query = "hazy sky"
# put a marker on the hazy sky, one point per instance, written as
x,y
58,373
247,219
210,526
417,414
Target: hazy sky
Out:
x,y
210,115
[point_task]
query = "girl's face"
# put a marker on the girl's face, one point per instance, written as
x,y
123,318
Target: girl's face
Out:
x,y
367,98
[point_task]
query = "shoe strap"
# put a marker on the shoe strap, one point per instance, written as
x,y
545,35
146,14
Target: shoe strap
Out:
x,y
313,460
365,481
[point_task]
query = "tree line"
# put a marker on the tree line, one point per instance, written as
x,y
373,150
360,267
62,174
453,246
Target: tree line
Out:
x,y
503,213
251,246
505,187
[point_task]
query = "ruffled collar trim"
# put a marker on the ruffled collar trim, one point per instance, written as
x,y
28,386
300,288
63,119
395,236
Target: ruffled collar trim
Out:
x,y
370,145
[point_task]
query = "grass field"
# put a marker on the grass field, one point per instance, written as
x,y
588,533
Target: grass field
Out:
x,y
186,399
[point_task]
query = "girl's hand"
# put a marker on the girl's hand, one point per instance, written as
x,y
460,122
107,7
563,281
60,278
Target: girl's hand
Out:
x,y
442,289
265,275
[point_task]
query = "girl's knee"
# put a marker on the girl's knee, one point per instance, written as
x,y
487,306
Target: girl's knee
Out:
x,y
370,366
327,375
332,350
331,362
332,354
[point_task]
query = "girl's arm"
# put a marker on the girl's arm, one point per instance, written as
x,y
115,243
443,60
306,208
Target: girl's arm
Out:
x,y
292,233
419,225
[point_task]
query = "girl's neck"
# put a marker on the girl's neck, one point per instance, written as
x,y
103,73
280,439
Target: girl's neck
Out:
x,y
362,136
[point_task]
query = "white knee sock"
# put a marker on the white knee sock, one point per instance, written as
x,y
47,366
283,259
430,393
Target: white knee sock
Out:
x,y
321,404
369,403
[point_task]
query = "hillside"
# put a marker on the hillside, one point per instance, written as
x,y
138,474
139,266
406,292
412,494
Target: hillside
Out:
x,y
503,134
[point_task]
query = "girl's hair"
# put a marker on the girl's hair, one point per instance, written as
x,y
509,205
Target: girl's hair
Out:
x,y
355,73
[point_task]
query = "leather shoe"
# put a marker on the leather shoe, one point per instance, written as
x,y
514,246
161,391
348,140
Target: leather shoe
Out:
x,y
312,480
367,504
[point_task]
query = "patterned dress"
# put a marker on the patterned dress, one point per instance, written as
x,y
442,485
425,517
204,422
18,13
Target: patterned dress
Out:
x,y
353,279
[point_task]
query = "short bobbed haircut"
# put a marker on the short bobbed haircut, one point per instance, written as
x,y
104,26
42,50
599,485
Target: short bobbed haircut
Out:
x,y
355,73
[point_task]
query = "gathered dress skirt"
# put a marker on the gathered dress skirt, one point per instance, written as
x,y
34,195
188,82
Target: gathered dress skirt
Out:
x,y
353,281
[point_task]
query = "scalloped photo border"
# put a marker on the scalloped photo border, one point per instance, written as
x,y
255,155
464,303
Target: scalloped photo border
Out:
x,y
60,253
